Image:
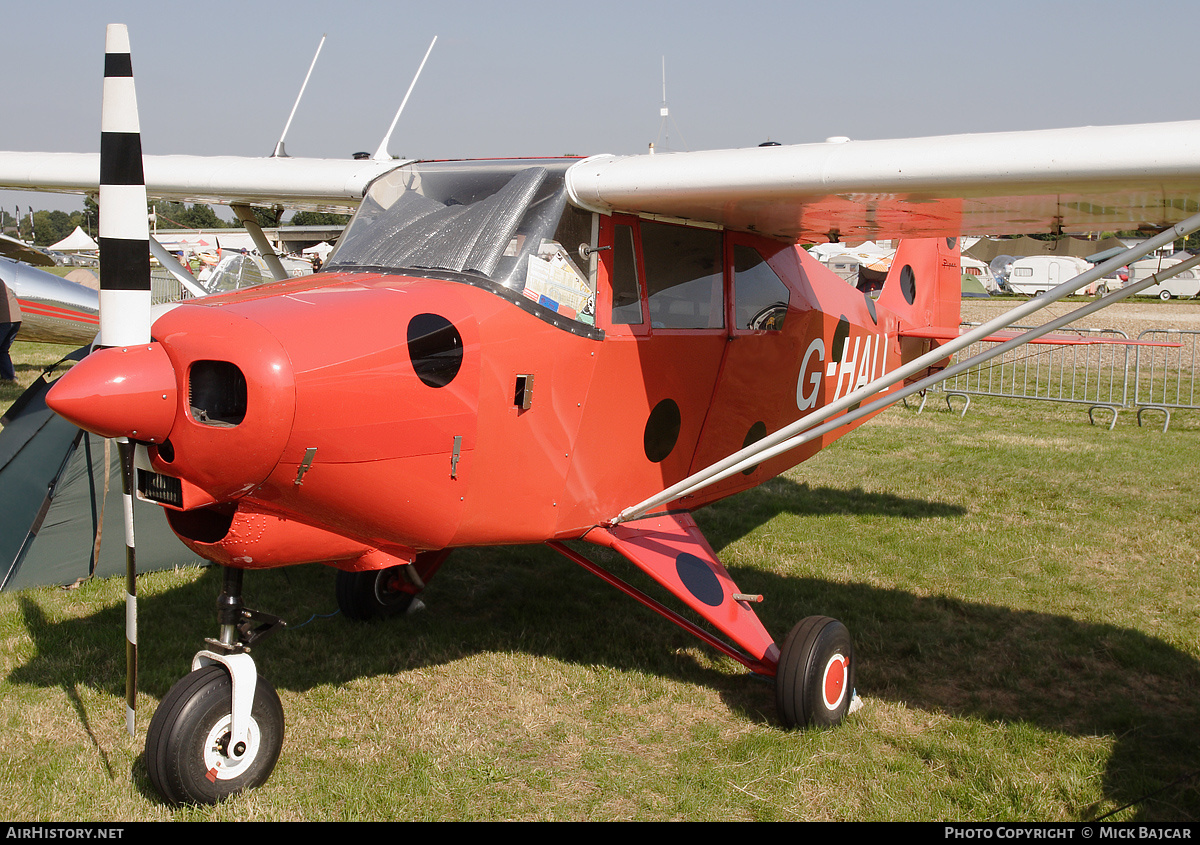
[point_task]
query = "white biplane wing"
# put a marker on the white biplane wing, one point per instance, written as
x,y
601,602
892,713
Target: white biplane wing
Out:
x,y
1082,180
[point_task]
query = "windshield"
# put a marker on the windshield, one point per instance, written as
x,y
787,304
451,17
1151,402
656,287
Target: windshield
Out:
x,y
508,222
233,272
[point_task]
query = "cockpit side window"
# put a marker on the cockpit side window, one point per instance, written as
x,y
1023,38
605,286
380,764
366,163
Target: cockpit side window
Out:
x,y
626,287
760,298
553,277
684,276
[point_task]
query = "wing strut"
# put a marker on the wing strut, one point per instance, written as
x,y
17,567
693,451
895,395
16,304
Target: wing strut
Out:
x,y
803,430
172,266
246,216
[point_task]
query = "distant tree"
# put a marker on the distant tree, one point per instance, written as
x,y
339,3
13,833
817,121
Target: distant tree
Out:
x,y
51,227
182,216
202,217
268,218
91,216
318,218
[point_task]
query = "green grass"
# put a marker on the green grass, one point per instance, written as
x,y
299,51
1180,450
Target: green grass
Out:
x,y
1021,586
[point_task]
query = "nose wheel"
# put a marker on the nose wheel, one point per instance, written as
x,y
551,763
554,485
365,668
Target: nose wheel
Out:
x,y
814,684
191,755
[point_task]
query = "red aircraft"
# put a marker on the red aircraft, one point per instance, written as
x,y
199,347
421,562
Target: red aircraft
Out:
x,y
537,351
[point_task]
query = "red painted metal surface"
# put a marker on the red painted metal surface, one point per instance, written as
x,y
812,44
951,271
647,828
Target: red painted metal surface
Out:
x,y
345,451
762,667
671,549
124,391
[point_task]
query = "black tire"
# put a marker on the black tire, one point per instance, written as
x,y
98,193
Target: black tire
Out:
x,y
814,684
364,596
1164,295
184,744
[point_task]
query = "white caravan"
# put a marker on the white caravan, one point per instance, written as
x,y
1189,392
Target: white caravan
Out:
x,y
1183,286
1036,274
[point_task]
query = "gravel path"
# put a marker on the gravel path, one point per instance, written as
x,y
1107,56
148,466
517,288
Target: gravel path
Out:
x,y
1130,317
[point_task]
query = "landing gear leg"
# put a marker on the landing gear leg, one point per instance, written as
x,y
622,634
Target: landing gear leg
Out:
x,y
219,730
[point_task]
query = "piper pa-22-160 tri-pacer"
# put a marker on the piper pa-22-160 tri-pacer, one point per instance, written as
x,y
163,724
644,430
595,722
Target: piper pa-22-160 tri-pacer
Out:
x,y
543,351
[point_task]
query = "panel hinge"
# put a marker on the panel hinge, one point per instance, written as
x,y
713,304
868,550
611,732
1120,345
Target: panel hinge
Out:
x,y
455,455
306,464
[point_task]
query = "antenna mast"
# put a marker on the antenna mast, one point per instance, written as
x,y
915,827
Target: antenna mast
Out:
x,y
382,154
664,113
280,152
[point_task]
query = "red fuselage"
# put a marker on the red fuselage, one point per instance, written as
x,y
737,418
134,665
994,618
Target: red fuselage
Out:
x,y
358,418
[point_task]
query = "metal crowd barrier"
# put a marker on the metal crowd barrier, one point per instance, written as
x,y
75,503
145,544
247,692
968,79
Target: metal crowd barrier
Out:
x,y
1105,377
1096,375
166,288
1165,376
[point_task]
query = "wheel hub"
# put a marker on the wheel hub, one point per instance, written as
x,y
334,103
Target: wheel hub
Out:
x,y
223,762
833,685
389,587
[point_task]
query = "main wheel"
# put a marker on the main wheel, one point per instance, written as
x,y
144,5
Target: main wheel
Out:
x,y
1164,295
187,745
814,683
373,595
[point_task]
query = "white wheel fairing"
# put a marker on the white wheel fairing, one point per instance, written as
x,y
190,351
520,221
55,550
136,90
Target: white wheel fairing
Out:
x,y
833,683
217,763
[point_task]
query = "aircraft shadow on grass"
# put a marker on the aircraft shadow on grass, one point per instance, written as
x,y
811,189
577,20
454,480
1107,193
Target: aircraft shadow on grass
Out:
x,y
939,654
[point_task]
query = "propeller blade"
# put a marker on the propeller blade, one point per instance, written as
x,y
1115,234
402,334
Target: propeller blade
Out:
x,y
124,281
124,227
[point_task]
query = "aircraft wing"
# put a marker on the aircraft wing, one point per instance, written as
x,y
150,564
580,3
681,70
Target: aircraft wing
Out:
x,y
19,251
1076,180
314,184
1083,180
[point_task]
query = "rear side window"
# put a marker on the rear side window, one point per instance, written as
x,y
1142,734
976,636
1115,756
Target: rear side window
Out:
x,y
627,289
760,297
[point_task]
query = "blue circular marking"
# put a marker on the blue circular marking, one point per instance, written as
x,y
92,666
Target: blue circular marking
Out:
x,y
700,580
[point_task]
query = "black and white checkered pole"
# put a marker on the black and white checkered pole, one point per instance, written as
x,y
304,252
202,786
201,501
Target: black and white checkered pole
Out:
x,y
124,280
131,658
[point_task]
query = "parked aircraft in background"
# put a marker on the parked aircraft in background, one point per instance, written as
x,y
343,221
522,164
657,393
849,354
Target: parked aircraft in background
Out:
x,y
53,310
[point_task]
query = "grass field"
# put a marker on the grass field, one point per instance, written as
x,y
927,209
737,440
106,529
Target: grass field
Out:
x,y
1022,589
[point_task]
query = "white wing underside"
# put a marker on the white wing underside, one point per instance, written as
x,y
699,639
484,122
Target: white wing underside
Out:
x,y
1074,180
314,184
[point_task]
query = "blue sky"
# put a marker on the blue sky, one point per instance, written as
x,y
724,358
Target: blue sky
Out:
x,y
549,78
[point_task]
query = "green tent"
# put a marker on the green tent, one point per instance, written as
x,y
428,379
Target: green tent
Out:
x,y
61,518
973,286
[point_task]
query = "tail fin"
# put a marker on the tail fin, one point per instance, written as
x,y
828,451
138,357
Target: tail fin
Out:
x,y
924,284
924,288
